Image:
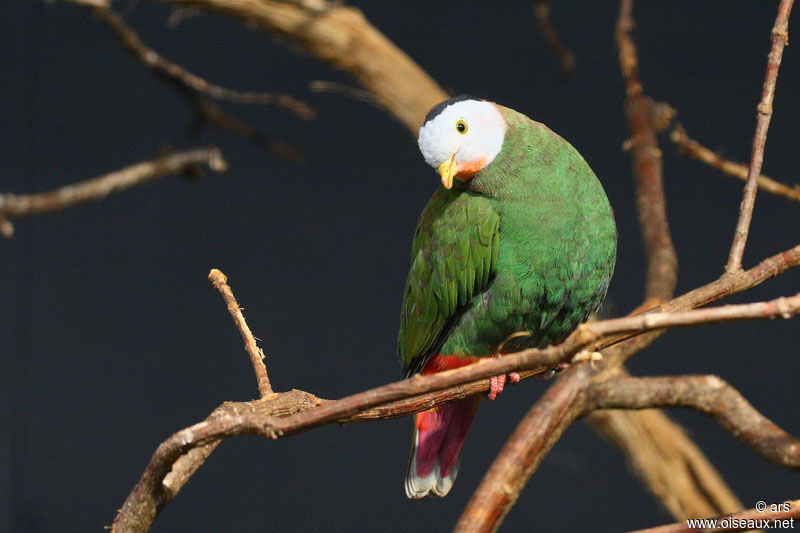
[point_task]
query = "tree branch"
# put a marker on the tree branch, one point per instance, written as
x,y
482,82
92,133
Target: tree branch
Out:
x,y
220,282
780,37
709,395
697,151
13,206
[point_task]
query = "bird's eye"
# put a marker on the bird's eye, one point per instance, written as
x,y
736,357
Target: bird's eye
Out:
x,y
461,127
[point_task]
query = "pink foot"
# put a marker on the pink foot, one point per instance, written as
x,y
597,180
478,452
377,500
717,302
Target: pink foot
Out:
x,y
498,383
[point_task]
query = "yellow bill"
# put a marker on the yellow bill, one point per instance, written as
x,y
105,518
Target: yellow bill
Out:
x,y
448,170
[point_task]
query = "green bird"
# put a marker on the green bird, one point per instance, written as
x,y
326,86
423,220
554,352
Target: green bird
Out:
x,y
513,251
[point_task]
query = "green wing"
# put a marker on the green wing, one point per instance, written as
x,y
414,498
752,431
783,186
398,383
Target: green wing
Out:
x,y
452,259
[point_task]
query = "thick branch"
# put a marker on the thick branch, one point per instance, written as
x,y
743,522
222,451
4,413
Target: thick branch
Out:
x,y
709,395
662,261
342,37
220,282
780,37
697,151
785,513
14,206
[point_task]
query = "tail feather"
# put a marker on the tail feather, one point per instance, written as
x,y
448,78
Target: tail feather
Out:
x,y
436,445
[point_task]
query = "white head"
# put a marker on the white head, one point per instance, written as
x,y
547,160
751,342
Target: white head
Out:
x,y
460,136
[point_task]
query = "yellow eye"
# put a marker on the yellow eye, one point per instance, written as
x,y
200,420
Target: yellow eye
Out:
x,y
461,127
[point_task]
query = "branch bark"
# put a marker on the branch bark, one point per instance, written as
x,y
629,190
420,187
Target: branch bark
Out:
x,y
13,206
780,38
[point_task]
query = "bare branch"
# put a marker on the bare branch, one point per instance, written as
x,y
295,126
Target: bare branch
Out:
x,y
13,206
566,59
697,151
750,519
185,80
780,37
344,38
709,395
220,282
662,269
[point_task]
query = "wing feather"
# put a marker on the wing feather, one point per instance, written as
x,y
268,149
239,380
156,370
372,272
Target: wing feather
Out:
x,y
453,258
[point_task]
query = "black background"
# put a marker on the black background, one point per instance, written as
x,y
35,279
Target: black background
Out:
x,y
112,338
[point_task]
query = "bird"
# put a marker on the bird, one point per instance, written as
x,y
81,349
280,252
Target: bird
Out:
x,y
514,250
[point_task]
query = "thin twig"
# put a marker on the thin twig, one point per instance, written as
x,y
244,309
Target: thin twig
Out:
x,y
780,38
662,266
13,206
177,75
220,282
709,395
565,57
777,515
697,151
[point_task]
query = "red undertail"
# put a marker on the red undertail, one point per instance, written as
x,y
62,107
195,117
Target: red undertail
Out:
x,y
439,435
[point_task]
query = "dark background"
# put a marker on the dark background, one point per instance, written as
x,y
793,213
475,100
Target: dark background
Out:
x,y
112,339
